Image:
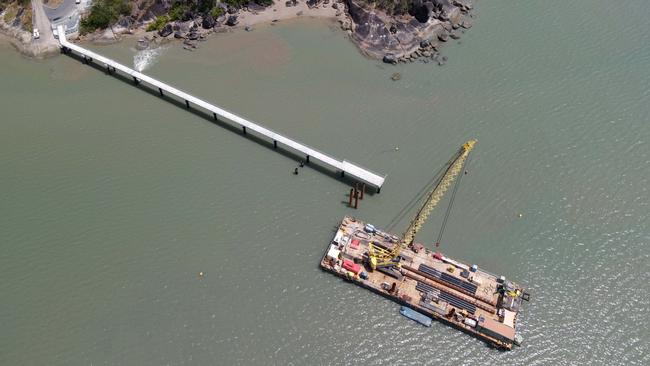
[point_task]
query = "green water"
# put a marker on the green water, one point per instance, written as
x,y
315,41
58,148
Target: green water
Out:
x,y
112,199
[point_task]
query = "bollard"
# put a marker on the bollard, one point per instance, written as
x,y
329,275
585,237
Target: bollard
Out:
x,y
356,198
350,198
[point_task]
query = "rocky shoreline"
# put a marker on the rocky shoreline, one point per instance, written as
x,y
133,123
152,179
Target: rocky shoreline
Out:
x,y
414,35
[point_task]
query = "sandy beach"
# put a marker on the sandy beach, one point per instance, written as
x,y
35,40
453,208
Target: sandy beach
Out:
x,y
279,11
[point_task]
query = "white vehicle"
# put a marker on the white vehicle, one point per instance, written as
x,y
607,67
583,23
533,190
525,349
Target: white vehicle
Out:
x,y
77,2
37,35
55,32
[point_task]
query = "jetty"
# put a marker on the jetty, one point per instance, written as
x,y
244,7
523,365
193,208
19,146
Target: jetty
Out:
x,y
344,167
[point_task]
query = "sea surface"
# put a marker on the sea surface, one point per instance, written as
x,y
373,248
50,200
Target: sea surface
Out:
x,y
112,200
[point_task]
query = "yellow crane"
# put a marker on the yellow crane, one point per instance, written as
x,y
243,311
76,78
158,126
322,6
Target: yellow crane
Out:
x,y
382,257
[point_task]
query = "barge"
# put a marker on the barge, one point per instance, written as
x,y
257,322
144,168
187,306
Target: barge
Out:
x,y
430,283
461,295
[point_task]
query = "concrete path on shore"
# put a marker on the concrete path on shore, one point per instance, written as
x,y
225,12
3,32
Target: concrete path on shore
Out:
x,y
46,42
64,10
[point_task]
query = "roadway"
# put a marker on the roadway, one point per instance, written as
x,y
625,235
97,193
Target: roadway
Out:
x,y
40,21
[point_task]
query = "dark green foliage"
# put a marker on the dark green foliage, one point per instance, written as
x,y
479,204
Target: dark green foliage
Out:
x,y
5,3
204,6
103,13
264,2
178,10
393,7
216,12
158,24
181,7
236,3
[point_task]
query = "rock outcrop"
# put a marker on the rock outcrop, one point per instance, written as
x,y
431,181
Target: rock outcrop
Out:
x,y
166,30
407,37
208,22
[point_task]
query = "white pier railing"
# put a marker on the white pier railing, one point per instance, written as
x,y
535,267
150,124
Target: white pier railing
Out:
x,y
344,167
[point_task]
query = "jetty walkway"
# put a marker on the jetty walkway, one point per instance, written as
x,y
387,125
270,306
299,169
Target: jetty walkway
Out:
x,y
344,167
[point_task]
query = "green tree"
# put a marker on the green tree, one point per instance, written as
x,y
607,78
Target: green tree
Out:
x,y
158,24
104,13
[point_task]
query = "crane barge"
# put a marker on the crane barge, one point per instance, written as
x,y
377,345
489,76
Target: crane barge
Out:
x,y
427,283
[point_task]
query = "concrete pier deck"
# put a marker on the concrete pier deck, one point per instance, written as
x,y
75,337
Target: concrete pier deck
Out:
x,y
343,166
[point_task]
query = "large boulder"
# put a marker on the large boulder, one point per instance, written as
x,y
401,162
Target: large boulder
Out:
x,y
208,22
166,30
422,10
447,11
232,21
464,5
254,7
390,58
155,8
125,22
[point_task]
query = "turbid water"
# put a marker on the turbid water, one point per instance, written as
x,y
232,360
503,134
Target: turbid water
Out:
x,y
112,200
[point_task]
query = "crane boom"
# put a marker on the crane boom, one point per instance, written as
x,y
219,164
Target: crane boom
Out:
x,y
381,257
436,194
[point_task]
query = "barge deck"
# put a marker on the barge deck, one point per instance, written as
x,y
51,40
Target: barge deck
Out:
x,y
463,296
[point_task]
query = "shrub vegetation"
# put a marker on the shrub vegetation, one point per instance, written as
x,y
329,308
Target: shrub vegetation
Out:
x,y
216,12
104,13
158,23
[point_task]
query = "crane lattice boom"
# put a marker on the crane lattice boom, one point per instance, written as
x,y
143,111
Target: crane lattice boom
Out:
x,y
378,255
436,194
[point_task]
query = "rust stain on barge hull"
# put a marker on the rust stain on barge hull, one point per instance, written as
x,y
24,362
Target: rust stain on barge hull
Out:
x,y
474,301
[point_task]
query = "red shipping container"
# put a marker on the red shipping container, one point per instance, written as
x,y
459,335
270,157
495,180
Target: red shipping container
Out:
x,y
351,266
354,244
